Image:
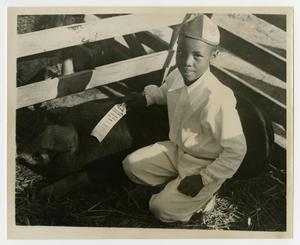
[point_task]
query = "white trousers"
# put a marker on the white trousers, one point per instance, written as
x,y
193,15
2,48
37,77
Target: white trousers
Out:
x,y
154,165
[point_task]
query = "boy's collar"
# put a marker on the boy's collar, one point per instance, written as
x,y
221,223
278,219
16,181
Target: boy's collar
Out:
x,y
179,82
195,90
192,88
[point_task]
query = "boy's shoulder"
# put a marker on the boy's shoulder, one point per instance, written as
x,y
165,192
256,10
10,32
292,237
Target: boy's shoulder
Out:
x,y
218,93
214,92
217,87
173,76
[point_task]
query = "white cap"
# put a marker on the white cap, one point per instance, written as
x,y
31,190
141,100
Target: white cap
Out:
x,y
202,28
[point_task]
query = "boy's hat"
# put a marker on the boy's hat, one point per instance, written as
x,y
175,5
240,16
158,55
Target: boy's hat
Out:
x,y
201,28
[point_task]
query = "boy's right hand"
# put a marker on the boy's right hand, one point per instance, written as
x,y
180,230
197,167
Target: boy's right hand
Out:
x,y
135,99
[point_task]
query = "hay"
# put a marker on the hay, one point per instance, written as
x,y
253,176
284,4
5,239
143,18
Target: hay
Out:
x,y
257,204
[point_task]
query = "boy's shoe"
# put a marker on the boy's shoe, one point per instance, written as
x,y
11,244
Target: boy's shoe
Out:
x,y
210,205
208,208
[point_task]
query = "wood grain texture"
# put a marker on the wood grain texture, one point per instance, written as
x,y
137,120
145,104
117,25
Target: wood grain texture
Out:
x,y
76,82
37,92
275,110
76,34
254,53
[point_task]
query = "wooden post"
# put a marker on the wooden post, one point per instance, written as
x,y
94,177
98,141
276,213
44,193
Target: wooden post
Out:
x,y
68,67
173,41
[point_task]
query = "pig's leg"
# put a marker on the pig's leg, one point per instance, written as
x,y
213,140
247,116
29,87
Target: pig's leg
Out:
x,y
108,171
100,173
65,185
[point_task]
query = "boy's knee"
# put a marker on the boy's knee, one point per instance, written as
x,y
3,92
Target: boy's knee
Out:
x,y
160,210
131,167
157,208
129,164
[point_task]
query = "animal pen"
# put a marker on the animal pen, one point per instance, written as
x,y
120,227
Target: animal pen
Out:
x,y
112,55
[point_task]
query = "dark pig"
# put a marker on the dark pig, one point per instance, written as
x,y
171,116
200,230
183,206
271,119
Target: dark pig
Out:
x,y
76,157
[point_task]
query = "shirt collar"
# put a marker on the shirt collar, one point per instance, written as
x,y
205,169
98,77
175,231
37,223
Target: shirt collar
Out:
x,y
179,82
194,87
194,90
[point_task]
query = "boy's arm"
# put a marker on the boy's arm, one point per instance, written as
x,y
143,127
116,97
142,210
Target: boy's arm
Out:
x,y
225,125
224,122
152,95
155,94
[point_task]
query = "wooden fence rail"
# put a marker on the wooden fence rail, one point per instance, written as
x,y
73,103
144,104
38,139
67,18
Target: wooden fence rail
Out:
x,y
79,81
254,53
67,36
279,20
76,34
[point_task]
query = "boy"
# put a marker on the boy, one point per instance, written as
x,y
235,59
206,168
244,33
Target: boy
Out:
x,y
206,145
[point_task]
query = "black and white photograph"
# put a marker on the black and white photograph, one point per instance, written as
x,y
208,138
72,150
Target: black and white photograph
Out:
x,y
152,118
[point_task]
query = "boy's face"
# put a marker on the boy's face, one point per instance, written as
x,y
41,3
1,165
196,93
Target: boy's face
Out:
x,y
192,58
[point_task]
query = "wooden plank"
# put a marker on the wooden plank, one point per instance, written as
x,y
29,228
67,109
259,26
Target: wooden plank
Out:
x,y
173,41
279,157
275,110
53,88
279,135
277,20
152,41
36,92
129,68
121,50
254,53
135,47
76,99
258,31
248,72
66,36
281,141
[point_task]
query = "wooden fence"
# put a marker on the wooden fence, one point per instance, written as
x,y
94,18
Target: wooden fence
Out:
x,y
136,31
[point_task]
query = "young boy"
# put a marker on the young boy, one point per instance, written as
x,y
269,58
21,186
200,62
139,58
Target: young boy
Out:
x,y
206,145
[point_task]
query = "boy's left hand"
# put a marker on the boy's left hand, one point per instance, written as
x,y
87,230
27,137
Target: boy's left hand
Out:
x,y
190,185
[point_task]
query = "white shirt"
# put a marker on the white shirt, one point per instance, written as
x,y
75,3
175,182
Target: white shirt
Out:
x,y
203,122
